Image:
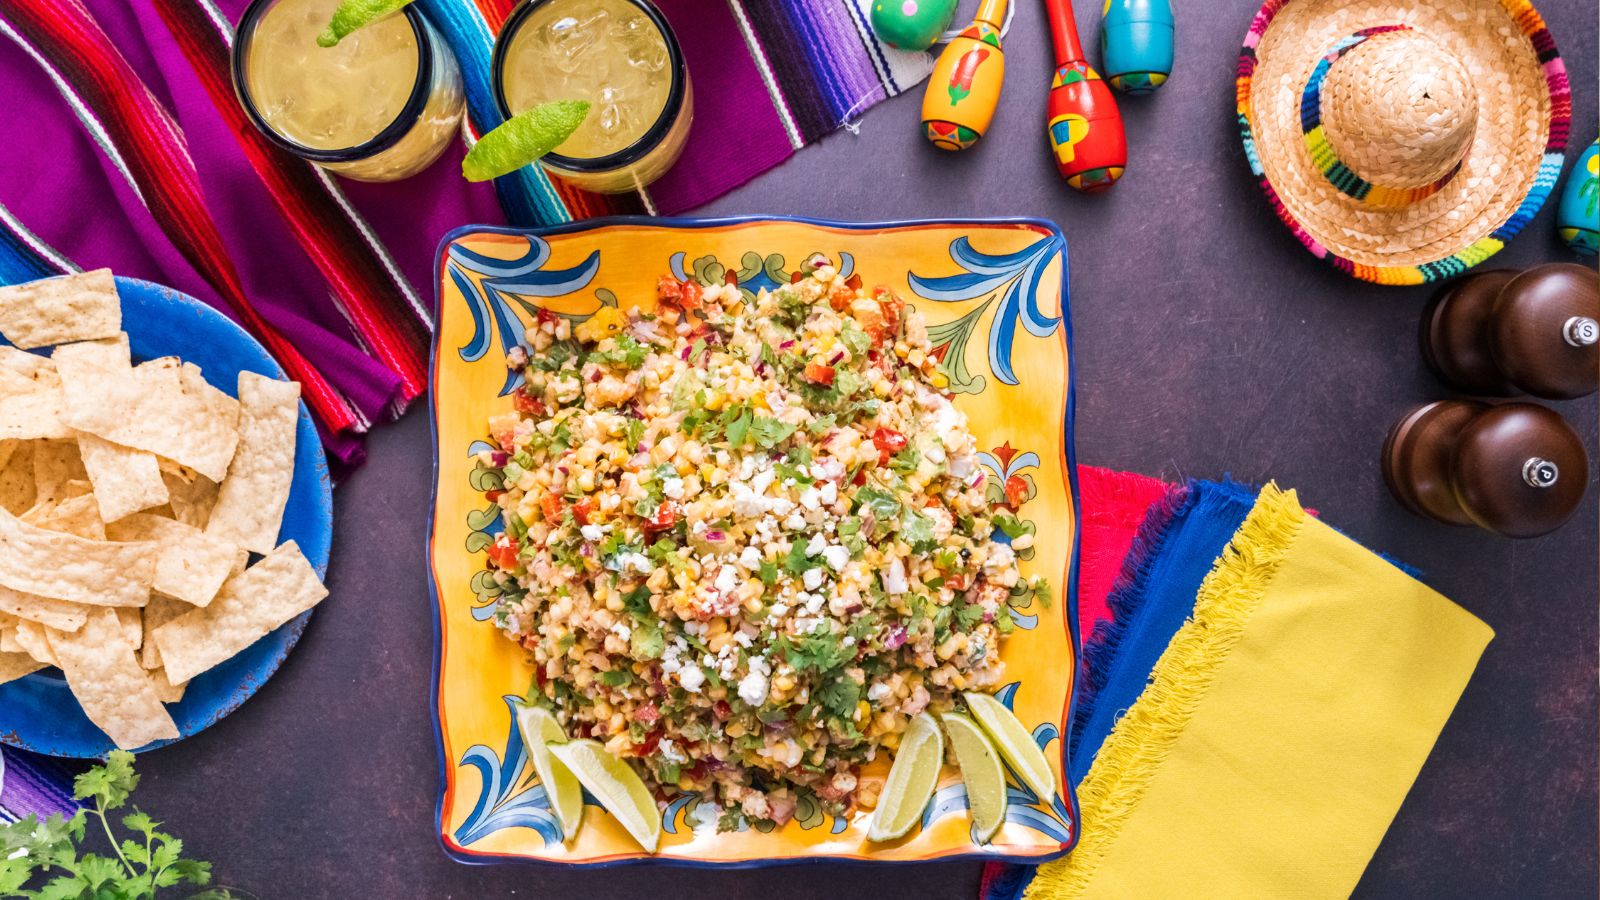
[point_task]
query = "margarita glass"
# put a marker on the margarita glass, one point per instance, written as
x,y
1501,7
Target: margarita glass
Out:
x,y
621,56
380,105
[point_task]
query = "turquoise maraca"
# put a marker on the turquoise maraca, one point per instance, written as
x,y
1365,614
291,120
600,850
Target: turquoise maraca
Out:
x,y
911,24
1578,219
1136,38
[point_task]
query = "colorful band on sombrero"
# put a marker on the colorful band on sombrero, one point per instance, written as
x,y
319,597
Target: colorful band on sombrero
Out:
x,y
1327,159
1555,73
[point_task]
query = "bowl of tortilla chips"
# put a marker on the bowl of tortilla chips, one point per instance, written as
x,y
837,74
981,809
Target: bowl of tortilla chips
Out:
x,y
165,515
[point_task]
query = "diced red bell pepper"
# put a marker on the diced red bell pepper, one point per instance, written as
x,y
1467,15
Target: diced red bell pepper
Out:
x,y
493,496
651,742
582,509
840,296
1016,491
544,316
722,710
665,517
889,442
861,477
551,504
503,552
528,405
854,281
817,373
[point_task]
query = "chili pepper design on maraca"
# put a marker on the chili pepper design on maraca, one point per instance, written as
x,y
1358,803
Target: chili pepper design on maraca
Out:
x,y
959,101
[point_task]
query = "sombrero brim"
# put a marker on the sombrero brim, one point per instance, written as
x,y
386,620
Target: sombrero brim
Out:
x,y
1524,113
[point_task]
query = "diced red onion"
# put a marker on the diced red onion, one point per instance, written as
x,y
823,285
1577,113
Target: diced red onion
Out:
x,y
896,638
563,470
836,357
499,458
714,537
786,344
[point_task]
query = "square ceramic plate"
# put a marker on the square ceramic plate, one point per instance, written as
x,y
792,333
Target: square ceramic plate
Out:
x,y
993,294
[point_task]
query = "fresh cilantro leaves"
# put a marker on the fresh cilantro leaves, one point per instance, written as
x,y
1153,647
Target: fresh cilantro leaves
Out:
x,y
47,854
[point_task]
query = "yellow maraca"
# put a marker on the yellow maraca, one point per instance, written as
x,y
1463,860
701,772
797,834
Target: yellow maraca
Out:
x,y
965,85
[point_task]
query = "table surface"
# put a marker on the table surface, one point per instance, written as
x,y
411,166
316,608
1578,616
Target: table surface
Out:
x,y
1208,342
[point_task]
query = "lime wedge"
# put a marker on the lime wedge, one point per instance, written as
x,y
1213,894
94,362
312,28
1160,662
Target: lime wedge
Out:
x,y
1015,744
539,731
911,780
523,138
980,769
353,14
618,788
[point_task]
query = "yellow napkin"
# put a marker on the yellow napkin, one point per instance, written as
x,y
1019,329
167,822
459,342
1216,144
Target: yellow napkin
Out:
x,y
1281,729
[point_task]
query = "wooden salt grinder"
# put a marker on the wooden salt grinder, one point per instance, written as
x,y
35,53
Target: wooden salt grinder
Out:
x,y
1500,332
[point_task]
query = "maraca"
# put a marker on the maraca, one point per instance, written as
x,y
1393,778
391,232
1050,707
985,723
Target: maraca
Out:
x,y
1084,125
965,85
1136,38
1578,219
911,24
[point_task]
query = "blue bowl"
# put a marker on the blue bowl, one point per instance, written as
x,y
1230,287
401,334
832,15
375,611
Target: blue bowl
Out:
x,y
37,712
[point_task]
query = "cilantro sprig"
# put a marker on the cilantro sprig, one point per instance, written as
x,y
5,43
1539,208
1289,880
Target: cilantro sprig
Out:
x,y
48,854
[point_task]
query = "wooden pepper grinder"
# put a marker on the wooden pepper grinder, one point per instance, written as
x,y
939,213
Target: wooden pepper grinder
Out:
x,y
1517,469
1500,332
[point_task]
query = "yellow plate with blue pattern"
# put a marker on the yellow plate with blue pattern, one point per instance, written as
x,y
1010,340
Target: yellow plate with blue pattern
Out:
x,y
993,293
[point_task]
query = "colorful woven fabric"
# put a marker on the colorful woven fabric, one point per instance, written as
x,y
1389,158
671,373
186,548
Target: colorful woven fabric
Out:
x,y
769,77
1175,548
127,110
36,785
1282,726
1111,505
137,157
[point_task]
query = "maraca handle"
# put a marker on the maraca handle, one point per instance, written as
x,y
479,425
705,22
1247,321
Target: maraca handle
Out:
x,y
1064,31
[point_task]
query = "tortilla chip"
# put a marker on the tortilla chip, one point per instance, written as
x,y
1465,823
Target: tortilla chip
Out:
x,y
67,567
17,493
192,564
79,307
266,595
132,619
55,465
9,642
251,499
77,515
163,406
160,611
16,665
30,408
115,692
125,480
31,638
29,365
58,614
165,689
190,494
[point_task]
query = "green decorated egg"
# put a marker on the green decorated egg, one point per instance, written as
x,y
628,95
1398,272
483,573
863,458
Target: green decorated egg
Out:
x,y
911,24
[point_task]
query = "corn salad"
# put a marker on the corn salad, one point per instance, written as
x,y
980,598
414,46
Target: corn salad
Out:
x,y
745,539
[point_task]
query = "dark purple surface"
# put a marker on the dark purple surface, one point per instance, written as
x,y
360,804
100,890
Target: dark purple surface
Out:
x,y
1207,341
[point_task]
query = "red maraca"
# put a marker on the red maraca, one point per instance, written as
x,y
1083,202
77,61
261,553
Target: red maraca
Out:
x,y
1085,127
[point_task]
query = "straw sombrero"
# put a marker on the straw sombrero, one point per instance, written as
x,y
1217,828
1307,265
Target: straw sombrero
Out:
x,y
1403,141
